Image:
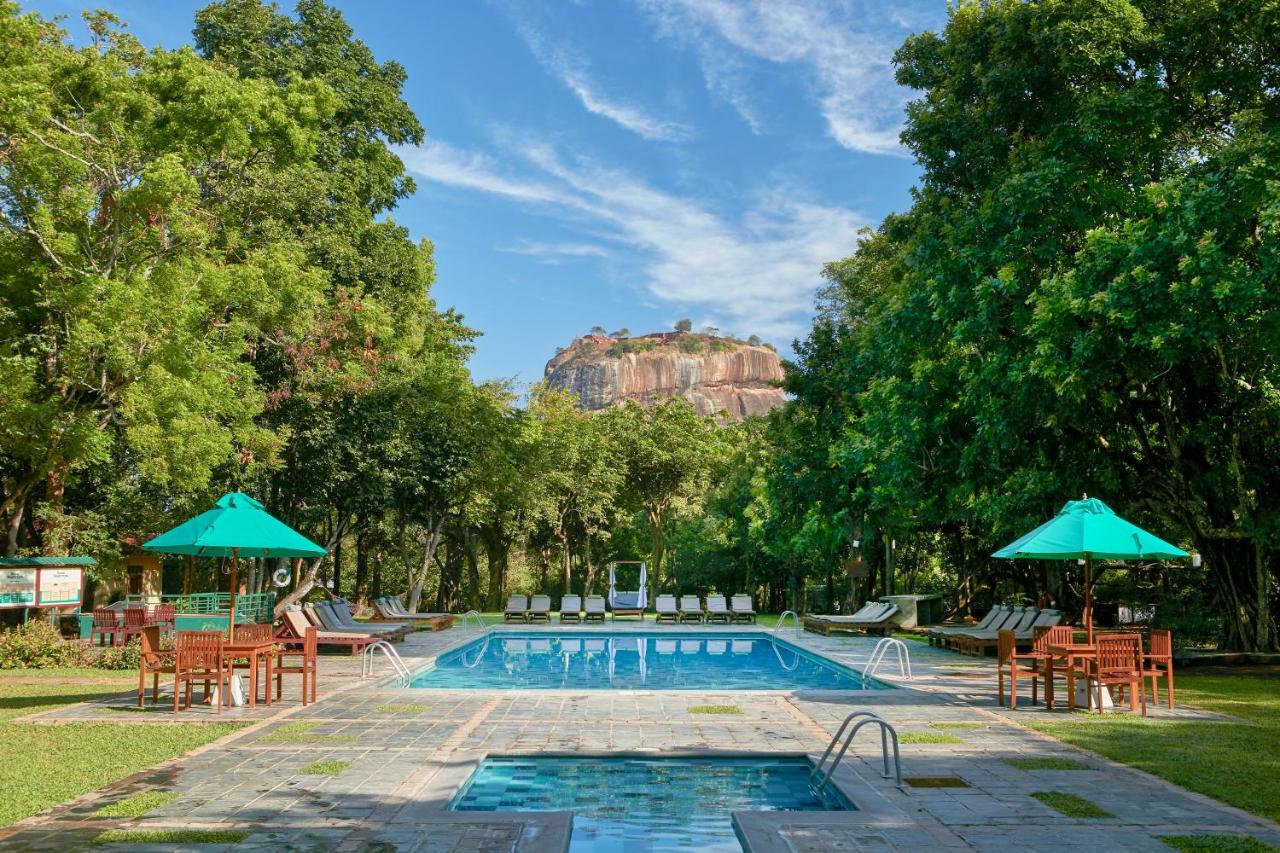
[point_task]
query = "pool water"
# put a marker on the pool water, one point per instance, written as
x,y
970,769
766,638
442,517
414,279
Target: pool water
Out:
x,y
632,804
637,662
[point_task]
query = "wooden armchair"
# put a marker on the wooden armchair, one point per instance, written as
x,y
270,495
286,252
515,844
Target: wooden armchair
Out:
x,y
1026,664
153,661
1118,663
135,619
105,621
305,664
198,657
1158,663
165,617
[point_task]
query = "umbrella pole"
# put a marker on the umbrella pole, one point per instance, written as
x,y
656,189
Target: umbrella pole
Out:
x,y
231,617
1088,598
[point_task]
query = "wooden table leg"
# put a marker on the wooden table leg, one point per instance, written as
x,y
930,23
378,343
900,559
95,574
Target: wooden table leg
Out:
x,y
253,680
1048,683
1071,683
267,691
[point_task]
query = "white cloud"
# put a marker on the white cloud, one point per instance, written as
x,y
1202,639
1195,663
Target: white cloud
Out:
x,y
573,72
845,47
554,253
757,274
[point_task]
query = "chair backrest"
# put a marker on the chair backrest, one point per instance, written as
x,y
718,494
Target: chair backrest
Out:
x,y
877,612
397,605
689,603
1026,617
716,603
166,613
1160,644
1118,651
149,644
310,643
570,604
104,618
985,623
866,610
665,604
296,622
1006,645
343,611
1006,618
595,604
741,602
1047,619
540,603
197,650
328,618
252,633
135,616
517,602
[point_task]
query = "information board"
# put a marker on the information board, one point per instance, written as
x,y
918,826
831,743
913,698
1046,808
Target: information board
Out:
x,y
17,587
60,586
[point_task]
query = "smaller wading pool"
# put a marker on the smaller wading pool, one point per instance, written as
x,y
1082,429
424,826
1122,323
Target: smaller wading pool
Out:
x,y
634,661
657,804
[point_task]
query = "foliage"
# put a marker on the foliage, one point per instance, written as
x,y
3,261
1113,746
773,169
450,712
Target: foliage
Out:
x,y
1217,844
324,768
1070,805
126,657
37,645
136,805
684,325
181,837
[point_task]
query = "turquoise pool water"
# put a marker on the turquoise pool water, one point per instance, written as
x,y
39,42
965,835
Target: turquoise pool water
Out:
x,y
637,661
635,804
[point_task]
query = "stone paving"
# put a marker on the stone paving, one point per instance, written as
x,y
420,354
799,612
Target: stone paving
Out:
x,y
406,752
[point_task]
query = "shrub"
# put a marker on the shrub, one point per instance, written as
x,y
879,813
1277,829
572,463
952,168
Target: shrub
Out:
x,y
721,345
38,645
127,656
691,345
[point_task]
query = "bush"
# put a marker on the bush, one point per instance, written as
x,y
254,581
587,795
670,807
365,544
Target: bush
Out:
x,y
38,645
127,656
691,345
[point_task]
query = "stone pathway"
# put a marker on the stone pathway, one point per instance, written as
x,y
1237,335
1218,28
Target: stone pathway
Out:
x,y
403,754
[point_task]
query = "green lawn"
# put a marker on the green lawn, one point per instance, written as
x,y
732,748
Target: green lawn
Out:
x,y
46,765
1237,763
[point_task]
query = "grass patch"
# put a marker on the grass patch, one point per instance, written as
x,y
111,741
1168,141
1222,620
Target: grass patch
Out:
x,y
1217,844
325,768
927,737
1070,805
137,805
1046,764
935,782
171,836
46,765
401,709
1202,756
302,733
958,726
714,709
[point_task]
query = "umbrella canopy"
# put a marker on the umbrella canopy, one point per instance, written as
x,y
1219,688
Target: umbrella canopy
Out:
x,y
1085,529
236,526
1088,528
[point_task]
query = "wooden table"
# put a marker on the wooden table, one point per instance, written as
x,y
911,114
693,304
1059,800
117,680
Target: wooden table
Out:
x,y
252,651
1071,652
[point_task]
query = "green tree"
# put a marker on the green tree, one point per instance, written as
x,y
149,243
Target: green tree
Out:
x,y
684,325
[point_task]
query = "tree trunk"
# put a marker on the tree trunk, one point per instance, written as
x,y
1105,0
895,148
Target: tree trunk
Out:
x,y
428,554
657,545
308,581
473,568
337,568
362,560
16,512
450,578
497,551
1239,570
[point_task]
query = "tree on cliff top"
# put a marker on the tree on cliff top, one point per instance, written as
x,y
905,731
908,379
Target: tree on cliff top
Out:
x,y
684,325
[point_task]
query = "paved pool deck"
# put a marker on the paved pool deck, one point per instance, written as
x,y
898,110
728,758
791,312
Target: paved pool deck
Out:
x,y
406,751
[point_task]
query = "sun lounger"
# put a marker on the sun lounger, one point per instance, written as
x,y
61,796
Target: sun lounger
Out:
x,y
690,610
717,609
1019,622
881,617
937,633
626,604
539,609
570,609
665,608
293,631
594,609
391,609
348,623
742,608
331,620
517,608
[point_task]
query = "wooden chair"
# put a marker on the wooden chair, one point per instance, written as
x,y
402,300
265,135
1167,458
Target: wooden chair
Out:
x,y
153,661
1029,664
198,657
135,619
306,665
1158,663
1118,663
105,621
165,617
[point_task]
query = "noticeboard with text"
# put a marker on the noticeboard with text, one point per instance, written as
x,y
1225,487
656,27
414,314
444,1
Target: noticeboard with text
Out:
x,y
60,587
17,587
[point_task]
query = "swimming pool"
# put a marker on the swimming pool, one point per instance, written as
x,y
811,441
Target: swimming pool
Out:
x,y
647,803
637,661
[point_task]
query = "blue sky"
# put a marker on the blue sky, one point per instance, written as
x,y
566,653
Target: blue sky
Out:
x,y
628,163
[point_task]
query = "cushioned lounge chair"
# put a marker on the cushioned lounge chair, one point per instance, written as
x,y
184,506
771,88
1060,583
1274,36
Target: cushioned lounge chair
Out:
x,y
717,609
330,619
517,609
665,609
878,617
1022,624
293,631
570,608
594,609
938,633
347,622
742,608
690,609
539,609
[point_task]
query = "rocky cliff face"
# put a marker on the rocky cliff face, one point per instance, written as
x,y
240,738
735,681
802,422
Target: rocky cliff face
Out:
x,y
726,378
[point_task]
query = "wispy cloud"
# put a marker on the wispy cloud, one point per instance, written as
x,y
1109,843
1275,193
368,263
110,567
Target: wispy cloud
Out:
x,y
554,253
846,49
757,274
574,72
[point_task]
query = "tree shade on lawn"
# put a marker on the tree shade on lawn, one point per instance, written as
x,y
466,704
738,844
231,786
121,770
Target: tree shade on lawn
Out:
x,y
1085,529
237,524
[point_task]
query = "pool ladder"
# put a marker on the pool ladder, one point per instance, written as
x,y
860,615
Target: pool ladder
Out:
x,y
882,649
868,718
366,662
466,619
777,626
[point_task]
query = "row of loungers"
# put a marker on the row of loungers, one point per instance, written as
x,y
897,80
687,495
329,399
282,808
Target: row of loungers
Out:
x,y
335,626
977,639
872,616
572,609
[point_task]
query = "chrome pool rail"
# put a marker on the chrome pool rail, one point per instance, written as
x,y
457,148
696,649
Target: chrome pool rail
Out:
x,y
777,626
882,649
887,732
366,661
466,619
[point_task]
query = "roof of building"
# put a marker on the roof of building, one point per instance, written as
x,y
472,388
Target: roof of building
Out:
x,y
47,561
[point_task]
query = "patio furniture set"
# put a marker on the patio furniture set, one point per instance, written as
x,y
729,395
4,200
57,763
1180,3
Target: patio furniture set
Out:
x,y
122,625
537,608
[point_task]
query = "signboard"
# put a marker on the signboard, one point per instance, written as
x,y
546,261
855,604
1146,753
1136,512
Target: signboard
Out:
x,y
17,587
60,586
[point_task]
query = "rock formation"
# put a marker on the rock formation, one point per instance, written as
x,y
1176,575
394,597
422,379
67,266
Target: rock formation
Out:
x,y
724,377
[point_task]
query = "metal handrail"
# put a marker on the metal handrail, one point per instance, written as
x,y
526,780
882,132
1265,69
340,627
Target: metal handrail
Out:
x,y
887,732
777,626
466,619
881,649
366,663
484,647
795,664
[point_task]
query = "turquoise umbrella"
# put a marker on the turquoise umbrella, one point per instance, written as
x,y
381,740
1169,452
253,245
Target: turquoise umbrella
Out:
x,y
1085,529
236,525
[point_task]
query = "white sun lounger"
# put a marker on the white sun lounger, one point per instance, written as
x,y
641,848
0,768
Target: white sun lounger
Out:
x,y
570,607
539,609
690,610
717,609
594,610
742,608
517,608
665,608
